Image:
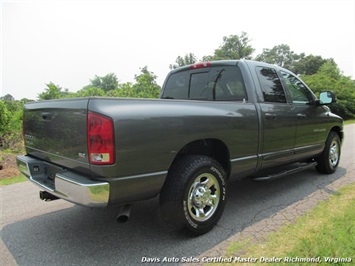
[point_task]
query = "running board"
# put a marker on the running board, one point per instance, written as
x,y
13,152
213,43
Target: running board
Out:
x,y
273,176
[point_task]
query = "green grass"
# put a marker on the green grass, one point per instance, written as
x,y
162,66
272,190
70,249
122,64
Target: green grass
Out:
x,y
348,122
13,180
325,232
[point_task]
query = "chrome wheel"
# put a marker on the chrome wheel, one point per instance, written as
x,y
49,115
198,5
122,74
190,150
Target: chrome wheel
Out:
x,y
203,197
194,194
334,153
328,160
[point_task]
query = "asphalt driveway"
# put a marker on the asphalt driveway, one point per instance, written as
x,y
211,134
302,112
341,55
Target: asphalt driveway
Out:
x,y
34,232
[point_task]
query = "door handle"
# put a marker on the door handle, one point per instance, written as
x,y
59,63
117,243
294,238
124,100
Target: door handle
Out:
x,y
47,116
301,116
270,116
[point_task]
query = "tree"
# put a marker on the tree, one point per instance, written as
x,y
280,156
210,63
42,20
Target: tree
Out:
x,y
188,59
25,100
308,65
330,69
146,86
106,83
88,91
53,92
8,97
11,124
124,90
4,118
233,47
329,78
280,55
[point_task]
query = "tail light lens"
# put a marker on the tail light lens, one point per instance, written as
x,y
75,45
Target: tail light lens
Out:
x,y
101,140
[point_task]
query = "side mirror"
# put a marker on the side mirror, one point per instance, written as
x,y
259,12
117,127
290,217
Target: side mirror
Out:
x,y
326,97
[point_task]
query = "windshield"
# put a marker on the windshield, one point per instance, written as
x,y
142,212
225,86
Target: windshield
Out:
x,y
220,83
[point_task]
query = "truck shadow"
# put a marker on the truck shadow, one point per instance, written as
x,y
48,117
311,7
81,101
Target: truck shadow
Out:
x,y
79,236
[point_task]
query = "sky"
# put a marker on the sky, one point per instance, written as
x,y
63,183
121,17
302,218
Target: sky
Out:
x,y
69,42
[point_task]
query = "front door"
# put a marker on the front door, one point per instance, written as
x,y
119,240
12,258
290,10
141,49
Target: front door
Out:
x,y
310,128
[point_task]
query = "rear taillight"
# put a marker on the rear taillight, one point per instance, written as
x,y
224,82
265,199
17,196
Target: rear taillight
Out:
x,y
101,139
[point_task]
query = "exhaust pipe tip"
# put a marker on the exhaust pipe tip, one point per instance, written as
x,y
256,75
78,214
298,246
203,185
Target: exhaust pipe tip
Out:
x,y
46,196
124,214
122,219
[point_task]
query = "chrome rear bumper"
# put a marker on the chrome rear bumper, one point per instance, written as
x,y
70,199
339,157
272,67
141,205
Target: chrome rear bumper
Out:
x,y
64,184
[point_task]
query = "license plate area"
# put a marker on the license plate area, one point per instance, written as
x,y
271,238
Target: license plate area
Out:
x,y
40,172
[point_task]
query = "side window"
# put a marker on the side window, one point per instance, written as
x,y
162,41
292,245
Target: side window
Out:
x,y
177,86
271,85
228,85
299,92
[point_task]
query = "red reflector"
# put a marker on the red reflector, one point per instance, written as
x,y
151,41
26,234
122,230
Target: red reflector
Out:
x,y
200,65
101,141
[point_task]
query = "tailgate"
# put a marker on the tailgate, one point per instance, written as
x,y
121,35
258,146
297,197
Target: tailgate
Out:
x,y
55,131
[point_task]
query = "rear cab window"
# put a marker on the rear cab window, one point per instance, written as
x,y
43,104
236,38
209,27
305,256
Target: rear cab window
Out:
x,y
215,83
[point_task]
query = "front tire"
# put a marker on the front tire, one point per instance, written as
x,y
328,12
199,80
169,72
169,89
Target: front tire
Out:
x,y
329,159
194,194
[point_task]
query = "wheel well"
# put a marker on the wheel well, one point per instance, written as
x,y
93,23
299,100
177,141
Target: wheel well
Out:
x,y
339,132
213,148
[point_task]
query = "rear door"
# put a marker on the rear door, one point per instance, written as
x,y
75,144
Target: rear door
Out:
x,y
278,119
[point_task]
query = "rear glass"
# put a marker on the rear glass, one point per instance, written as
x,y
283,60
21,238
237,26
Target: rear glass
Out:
x,y
220,83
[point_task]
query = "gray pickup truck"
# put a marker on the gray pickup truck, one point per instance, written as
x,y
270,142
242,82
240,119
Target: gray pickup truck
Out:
x,y
215,121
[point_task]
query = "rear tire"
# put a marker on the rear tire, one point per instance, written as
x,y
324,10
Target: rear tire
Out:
x,y
329,159
194,194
